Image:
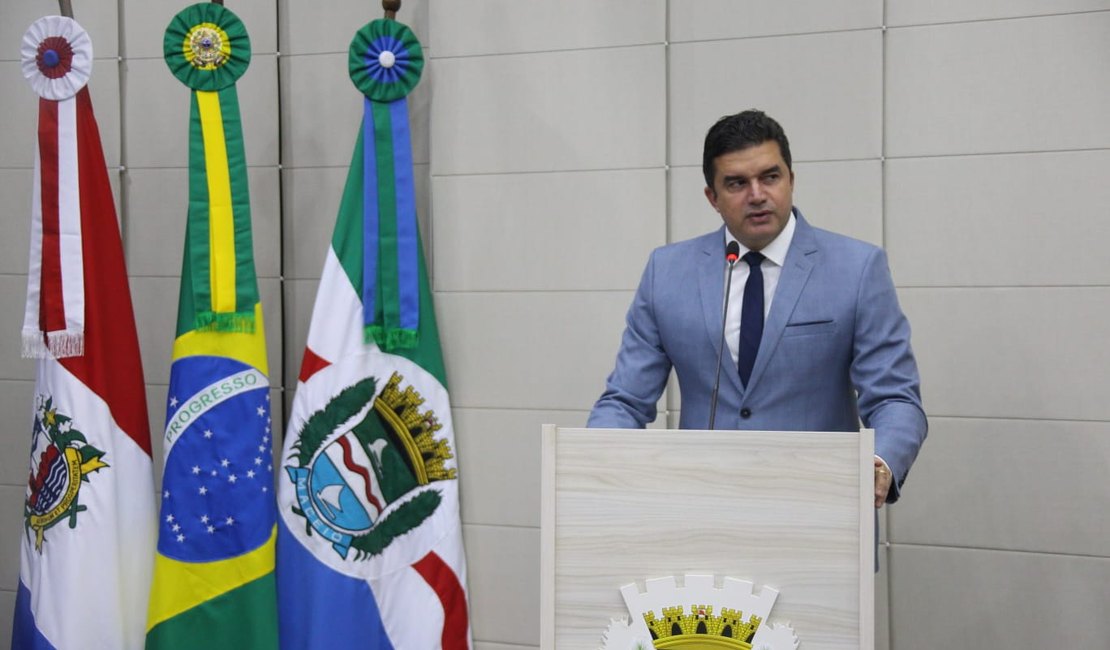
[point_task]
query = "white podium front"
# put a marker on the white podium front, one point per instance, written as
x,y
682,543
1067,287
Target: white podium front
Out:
x,y
668,511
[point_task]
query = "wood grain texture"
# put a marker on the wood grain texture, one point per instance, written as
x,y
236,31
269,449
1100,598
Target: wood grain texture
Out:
x,y
778,509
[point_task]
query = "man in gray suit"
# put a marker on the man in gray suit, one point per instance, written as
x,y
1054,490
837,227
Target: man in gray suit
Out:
x,y
815,338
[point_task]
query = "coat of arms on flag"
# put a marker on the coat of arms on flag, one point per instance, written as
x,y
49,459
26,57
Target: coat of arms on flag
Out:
x,y
369,545
61,459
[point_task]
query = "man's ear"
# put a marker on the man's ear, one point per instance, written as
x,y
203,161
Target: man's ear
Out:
x,y
711,196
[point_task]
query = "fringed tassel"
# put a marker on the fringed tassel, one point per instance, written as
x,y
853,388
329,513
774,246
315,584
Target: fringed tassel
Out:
x,y
241,322
392,338
53,345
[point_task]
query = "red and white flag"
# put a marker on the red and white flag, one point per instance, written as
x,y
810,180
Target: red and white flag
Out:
x,y
89,515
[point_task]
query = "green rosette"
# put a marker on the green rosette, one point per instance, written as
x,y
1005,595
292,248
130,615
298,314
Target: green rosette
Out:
x,y
207,47
385,60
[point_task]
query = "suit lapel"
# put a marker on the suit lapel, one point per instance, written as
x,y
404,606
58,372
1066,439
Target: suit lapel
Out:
x,y
711,287
800,259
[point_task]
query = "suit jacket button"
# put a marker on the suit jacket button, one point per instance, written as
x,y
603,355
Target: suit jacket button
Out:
x,y
745,413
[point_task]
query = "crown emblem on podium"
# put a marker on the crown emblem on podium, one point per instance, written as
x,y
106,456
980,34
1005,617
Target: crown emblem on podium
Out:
x,y
698,614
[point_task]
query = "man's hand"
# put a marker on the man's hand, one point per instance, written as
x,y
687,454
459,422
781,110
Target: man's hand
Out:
x,y
882,482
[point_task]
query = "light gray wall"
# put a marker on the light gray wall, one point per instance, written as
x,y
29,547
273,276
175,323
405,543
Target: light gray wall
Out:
x,y
558,142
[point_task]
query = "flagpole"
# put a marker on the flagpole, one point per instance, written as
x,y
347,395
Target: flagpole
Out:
x,y
66,8
391,8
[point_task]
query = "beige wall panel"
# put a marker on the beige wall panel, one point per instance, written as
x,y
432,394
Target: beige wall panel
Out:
x,y
998,86
702,20
156,116
1013,353
15,219
265,189
958,598
541,112
156,107
478,645
805,82
104,90
156,318
499,461
16,403
842,196
100,18
1046,491
157,207
144,25
470,27
156,415
882,600
300,296
322,112
20,107
11,533
316,28
690,214
538,350
914,12
13,296
312,196
558,231
7,604
503,578
981,220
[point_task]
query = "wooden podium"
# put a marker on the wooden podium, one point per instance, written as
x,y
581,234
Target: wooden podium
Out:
x,y
791,512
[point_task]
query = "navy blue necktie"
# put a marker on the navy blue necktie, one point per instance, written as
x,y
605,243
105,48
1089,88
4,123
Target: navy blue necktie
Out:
x,y
751,316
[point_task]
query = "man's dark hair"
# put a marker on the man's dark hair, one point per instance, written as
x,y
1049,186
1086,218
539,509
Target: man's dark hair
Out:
x,y
749,128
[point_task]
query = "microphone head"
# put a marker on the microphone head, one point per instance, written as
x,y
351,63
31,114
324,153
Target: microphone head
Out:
x,y
732,252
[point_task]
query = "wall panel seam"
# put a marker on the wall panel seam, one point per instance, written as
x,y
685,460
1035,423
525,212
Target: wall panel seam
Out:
x,y
999,19
989,549
569,50
754,37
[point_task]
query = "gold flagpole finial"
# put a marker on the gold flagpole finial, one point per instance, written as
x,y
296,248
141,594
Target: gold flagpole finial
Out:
x,y
391,8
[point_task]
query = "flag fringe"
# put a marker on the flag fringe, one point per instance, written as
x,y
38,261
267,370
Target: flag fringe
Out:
x,y
391,338
53,345
241,322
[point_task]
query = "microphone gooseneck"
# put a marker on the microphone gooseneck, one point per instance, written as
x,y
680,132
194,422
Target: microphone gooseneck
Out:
x,y
732,253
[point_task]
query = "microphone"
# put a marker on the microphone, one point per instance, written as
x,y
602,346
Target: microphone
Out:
x,y
732,253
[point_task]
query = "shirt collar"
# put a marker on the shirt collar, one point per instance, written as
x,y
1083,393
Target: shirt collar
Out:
x,y
776,250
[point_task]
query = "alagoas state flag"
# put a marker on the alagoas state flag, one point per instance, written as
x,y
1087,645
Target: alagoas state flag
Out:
x,y
370,552
88,516
213,584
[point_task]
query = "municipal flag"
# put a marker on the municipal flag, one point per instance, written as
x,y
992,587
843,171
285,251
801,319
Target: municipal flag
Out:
x,y
370,550
88,516
213,584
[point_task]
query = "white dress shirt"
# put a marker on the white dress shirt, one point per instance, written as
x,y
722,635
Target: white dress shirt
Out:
x,y
775,252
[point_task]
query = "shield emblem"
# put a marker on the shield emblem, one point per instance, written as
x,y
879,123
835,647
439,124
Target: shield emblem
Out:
x,y
345,484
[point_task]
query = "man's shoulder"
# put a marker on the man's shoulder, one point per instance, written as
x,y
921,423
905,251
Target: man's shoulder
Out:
x,y
834,242
682,249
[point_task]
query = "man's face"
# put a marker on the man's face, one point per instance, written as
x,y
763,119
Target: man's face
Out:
x,y
754,193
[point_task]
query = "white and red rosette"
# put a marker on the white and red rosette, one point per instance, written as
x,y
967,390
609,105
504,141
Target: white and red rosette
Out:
x,y
57,57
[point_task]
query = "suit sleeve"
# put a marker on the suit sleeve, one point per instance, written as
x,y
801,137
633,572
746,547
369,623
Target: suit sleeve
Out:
x,y
884,372
634,387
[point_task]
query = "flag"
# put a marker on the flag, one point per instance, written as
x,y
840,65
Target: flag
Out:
x,y
88,526
370,550
213,584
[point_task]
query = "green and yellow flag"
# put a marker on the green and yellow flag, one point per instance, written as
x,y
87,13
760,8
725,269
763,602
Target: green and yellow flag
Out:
x,y
214,570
